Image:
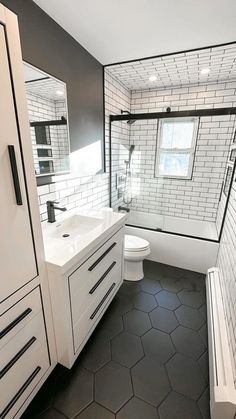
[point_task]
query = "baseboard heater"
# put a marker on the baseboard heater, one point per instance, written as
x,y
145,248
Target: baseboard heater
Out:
x,y
222,388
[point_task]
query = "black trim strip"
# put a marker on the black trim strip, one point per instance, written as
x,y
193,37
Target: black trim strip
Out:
x,y
157,230
48,123
15,176
34,80
19,393
14,323
174,114
101,257
102,278
102,301
17,357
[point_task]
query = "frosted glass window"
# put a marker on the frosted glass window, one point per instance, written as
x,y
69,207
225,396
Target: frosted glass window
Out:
x,y
175,147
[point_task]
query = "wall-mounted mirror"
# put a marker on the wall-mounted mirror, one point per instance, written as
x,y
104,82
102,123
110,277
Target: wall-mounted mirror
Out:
x,y
48,116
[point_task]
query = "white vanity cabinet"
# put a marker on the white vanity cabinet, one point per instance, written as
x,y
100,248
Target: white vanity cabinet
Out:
x,y
27,346
81,295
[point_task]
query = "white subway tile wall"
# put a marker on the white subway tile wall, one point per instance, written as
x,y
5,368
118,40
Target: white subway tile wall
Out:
x,y
75,192
197,198
227,263
42,109
117,98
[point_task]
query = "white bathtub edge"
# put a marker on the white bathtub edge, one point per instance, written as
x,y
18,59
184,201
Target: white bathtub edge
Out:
x,y
183,252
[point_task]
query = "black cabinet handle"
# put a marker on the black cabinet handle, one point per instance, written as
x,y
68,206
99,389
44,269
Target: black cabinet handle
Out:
x,y
15,322
101,257
102,278
15,177
102,301
13,401
17,357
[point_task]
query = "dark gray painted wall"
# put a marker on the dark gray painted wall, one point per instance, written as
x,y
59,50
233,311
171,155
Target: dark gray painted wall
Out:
x,y
47,46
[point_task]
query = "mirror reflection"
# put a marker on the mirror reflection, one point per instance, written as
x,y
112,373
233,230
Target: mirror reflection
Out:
x,y
48,116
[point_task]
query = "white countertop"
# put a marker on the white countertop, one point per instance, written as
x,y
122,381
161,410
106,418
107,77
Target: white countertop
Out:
x,y
63,253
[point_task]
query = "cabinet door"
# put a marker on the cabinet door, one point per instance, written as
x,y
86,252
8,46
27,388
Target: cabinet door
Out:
x,y
18,263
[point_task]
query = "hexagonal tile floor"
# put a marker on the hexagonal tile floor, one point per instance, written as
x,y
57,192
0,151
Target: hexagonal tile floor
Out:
x,y
147,357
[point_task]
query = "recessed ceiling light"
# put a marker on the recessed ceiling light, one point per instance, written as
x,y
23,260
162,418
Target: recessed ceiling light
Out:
x,y
205,71
59,92
152,78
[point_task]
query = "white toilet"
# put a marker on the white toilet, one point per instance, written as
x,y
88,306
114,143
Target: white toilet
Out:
x,y
135,251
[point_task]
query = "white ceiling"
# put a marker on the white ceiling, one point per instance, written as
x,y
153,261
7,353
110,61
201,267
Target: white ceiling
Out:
x,y
178,69
120,30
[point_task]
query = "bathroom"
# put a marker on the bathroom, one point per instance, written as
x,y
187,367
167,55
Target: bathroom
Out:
x,y
118,202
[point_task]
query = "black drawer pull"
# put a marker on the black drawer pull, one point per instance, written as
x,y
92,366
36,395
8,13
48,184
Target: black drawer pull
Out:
x,y
101,257
15,177
102,301
19,393
17,356
102,278
15,322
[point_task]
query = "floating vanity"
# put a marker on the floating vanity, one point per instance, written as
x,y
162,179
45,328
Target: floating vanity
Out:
x,y
84,255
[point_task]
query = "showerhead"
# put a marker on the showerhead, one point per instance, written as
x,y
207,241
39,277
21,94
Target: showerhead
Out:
x,y
130,121
131,149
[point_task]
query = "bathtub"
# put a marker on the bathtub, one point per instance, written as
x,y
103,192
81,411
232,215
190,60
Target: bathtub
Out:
x,y
168,242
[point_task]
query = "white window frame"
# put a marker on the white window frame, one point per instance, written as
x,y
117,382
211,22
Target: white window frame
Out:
x,y
190,151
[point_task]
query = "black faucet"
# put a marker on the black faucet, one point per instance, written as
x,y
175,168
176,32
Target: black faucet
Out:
x,y
123,209
51,210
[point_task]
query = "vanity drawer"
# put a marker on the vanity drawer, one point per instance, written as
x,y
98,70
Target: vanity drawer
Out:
x,y
23,361
92,315
90,279
97,292
19,315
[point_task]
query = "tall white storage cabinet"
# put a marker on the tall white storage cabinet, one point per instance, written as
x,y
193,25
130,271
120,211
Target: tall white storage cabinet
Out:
x,y
27,349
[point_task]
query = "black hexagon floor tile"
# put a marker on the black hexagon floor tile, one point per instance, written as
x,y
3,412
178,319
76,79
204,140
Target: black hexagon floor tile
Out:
x,y
177,406
203,333
150,381
158,345
163,319
130,288
204,404
95,411
189,317
137,409
137,322
185,376
144,301
203,363
121,304
191,298
113,386
151,286
172,285
52,414
67,400
168,300
68,394
126,349
203,311
188,342
154,270
96,354
109,326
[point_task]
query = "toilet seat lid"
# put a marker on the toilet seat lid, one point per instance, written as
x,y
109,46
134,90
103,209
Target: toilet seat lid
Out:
x,y
135,244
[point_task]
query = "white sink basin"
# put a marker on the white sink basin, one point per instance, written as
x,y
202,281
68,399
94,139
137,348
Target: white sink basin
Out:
x,y
70,239
72,227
